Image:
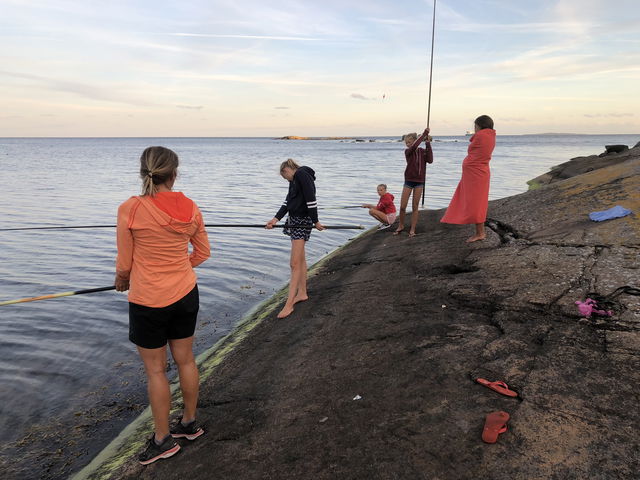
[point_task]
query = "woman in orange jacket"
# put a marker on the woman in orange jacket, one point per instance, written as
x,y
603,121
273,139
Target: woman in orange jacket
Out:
x,y
154,264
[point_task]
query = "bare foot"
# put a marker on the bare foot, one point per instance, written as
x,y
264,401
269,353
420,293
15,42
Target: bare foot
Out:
x,y
285,312
476,238
412,234
300,298
398,232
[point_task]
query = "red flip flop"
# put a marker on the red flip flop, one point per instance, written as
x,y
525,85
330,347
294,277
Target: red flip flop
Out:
x,y
499,387
494,425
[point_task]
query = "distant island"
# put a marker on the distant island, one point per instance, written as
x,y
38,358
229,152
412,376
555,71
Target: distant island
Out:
x,y
342,139
293,137
553,133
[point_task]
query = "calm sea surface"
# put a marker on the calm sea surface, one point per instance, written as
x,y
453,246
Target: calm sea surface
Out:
x,y
64,361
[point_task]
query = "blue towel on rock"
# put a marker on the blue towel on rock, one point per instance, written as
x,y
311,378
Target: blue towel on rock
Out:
x,y
615,212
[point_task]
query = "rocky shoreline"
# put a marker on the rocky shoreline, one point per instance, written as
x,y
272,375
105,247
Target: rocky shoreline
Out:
x,y
373,377
352,139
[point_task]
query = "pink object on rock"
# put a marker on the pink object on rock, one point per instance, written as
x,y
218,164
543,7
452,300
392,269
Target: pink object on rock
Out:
x,y
588,308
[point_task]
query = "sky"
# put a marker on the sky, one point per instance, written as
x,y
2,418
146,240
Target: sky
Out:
x,y
256,68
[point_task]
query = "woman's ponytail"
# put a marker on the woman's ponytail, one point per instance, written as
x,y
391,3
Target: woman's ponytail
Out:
x,y
157,166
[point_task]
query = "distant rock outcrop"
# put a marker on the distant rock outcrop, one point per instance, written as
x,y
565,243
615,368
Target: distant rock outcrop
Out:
x,y
614,149
580,165
294,137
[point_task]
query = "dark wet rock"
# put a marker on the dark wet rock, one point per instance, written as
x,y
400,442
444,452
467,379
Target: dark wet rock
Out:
x,y
580,165
409,323
614,149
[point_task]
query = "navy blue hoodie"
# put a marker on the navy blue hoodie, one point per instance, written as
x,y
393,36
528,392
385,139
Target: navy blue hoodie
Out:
x,y
301,199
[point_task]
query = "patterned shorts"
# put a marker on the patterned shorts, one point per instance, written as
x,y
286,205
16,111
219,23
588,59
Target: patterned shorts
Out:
x,y
298,233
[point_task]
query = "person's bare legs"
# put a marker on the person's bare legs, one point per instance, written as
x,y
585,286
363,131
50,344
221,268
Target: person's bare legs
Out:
x,y
298,263
182,352
480,233
378,215
404,200
301,294
155,365
415,204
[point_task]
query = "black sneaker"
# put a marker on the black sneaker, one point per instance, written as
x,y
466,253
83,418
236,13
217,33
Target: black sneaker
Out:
x,y
190,431
154,452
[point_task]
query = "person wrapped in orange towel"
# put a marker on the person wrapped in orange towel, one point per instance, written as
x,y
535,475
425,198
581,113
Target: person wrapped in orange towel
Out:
x,y
471,199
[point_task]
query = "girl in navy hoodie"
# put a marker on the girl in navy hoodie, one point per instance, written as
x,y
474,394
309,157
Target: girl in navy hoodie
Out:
x,y
303,216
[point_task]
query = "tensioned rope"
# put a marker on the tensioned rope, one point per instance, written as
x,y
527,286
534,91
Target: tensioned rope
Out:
x,y
207,225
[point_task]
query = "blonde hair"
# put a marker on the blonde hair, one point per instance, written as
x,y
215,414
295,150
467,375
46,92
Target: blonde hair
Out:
x,y
289,163
413,135
157,165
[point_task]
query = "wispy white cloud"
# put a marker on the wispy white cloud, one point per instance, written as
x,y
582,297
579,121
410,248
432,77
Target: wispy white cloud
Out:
x,y
248,37
359,96
190,107
108,93
523,28
608,115
390,21
264,80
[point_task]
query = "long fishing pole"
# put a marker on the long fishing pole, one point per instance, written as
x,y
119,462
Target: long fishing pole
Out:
x,y
58,295
208,225
284,225
433,36
339,208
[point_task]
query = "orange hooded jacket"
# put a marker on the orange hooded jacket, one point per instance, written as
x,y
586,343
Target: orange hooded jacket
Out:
x,y
153,247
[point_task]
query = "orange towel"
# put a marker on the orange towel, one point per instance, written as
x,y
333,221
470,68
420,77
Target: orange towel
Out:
x,y
471,200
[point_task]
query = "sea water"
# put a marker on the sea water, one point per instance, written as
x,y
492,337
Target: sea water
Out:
x,y
67,363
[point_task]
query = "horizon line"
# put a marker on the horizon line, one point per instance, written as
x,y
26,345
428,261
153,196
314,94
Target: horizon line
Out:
x,y
316,137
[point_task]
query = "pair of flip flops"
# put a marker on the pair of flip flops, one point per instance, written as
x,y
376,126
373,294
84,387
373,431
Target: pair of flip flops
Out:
x,y
495,423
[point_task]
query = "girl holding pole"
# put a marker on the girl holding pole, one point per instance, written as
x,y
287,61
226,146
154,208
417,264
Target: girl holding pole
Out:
x,y
414,176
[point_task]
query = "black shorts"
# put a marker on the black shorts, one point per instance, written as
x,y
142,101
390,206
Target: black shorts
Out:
x,y
298,233
151,327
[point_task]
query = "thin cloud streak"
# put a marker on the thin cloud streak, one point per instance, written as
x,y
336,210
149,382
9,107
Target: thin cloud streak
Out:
x,y
522,28
249,37
608,115
391,21
262,80
359,96
85,90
